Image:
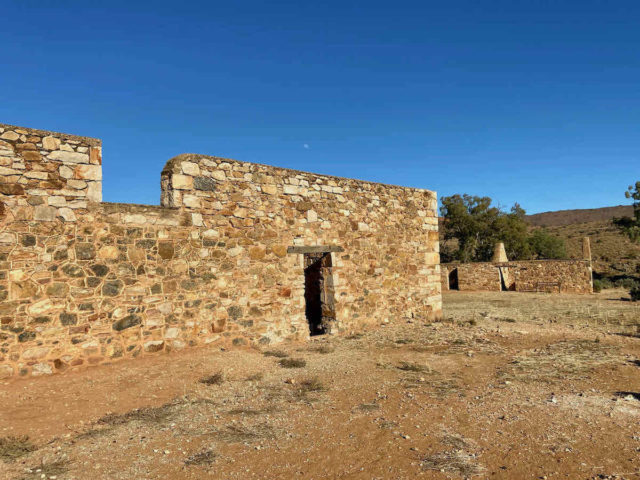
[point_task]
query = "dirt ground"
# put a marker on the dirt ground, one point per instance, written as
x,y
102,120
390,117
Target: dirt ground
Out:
x,y
508,386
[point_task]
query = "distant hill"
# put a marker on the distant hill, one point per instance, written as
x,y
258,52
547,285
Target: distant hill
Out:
x,y
569,217
613,253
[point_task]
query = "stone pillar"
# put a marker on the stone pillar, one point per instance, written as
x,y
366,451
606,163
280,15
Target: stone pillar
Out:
x,y
499,254
586,248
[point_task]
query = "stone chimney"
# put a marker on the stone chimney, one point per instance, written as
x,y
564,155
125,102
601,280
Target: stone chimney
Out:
x,y
586,248
499,254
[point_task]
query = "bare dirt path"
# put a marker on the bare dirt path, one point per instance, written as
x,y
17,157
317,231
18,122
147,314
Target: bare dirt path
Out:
x,y
510,386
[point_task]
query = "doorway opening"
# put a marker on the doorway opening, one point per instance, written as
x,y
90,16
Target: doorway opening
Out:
x,y
453,279
319,292
503,283
507,283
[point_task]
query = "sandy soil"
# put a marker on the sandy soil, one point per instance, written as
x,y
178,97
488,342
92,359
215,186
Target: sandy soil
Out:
x,y
509,386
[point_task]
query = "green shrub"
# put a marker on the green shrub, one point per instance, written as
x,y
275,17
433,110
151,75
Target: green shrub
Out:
x,y
627,283
597,286
635,293
600,284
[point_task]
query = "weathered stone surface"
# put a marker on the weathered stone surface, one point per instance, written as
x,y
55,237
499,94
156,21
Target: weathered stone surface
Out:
x,y
73,270
112,288
94,192
65,172
153,346
67,319
11,189
85,251
108,252
50,143
204,183
57,289
10,136
35,353
89,172
182,182
257,253
45,214
190,168
165,250
68,157
127,322
99,270
66,214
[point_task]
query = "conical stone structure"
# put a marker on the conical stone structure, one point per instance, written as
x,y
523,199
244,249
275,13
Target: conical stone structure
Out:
x,y
499,254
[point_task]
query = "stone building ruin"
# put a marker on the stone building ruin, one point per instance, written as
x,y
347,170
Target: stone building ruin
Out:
x,y
551,276
236,254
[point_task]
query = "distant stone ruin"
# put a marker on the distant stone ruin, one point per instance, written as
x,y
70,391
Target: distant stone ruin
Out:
x,y
237,253
552,276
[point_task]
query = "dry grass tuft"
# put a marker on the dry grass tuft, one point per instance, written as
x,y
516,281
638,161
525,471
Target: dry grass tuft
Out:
x,y
413,367
354,336
455,441
559,361
256,377
456,462
145,415
215,379
312,384
205,457
275,353
387,424
250,412
12,448
368,407
308,386
94,433
292,363
323,349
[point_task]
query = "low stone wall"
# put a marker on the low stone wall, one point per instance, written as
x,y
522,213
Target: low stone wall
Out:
x,y
554,276
221,262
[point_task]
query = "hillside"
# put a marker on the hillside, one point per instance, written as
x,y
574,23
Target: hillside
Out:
x,y
613,254
587,215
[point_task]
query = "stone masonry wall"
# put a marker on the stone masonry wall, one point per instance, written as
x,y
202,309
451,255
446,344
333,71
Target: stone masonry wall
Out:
x,y
554,276
478,277
209,266
46,175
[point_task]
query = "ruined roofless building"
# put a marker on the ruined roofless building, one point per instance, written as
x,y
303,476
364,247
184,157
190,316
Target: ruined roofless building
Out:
x,y
552,276
237,253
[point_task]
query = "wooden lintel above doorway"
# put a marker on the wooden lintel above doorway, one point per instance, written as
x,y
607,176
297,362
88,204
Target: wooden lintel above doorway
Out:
x,y
315,249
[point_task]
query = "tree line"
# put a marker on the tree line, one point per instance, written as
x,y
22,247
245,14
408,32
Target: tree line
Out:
x,y
472,226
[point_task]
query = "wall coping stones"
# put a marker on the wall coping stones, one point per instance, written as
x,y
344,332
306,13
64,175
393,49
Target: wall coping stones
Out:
x,y
173,165
513,262
94,142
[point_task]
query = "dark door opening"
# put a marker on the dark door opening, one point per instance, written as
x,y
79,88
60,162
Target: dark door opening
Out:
x,y
503,284
507,284
318,292
453,279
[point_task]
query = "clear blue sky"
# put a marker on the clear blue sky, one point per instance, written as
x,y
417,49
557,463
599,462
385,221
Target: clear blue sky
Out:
x,y
530,101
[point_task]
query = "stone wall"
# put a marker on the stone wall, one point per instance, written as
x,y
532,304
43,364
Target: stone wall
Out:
x,y
46,175
553,276
220,262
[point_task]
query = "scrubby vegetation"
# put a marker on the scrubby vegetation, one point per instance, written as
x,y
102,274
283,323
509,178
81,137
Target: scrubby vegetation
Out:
x,y
471,227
